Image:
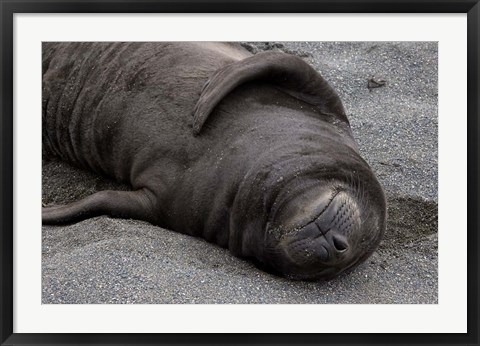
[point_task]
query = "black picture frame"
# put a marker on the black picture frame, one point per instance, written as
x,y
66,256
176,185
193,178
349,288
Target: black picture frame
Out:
x,y
9,7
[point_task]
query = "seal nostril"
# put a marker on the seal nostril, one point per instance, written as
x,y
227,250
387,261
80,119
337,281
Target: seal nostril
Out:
x,y
340,243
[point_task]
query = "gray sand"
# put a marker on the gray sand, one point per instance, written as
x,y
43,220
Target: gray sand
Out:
x,y
105,260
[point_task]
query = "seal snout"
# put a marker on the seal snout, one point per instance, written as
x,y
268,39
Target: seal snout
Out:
x,y
315,242
325,244
321,231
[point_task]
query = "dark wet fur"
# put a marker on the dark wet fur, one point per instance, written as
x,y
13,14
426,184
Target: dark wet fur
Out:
x,y
127,110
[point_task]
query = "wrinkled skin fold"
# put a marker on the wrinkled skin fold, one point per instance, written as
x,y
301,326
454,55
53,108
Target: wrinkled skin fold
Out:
x,y
254,153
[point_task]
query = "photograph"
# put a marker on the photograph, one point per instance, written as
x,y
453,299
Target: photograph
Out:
x,y
239,172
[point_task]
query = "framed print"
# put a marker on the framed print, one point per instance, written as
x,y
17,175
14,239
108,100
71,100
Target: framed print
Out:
x,y
239,173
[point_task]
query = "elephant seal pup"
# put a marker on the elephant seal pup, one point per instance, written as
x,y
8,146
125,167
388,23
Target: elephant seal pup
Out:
x,y
254,153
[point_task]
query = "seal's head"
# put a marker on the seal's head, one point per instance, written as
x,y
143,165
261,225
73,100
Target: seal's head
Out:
x,y
316,224
322,230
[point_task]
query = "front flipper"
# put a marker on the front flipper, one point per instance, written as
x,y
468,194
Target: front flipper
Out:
x,y
122,204
293,75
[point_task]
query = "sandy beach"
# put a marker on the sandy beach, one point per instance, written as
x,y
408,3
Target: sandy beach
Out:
x,y
390,92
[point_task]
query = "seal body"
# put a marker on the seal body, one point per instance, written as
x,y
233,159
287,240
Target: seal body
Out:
x,y
254,153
